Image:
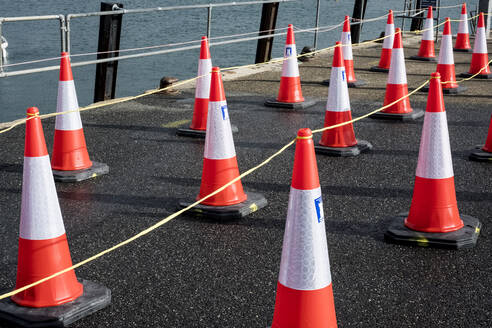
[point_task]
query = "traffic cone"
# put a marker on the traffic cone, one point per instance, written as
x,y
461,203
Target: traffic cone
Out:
x,y
434,219
484,154
202,92
339,141
389,33
463,37
304,289
396,88
43,249
426,51
348,58
220,164
445,63
70,160
290,93
480,59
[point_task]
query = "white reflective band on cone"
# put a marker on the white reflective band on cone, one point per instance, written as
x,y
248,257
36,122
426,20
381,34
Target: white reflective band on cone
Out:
x,y
40,212
305,264
463,27
388,42
446,51
347,50
218,139
338,96
202,90
66,101
289,66
480,46
428,30
397,72
435,153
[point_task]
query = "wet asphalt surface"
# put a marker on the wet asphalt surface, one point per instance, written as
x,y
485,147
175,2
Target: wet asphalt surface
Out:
x,y
203,273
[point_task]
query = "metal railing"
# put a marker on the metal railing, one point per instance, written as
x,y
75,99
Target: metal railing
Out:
x,y
65,23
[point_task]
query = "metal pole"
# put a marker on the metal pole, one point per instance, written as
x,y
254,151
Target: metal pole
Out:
x,y
1,55
417,21
109,44
267,27
485,6
209,21
317,25
63,31
358,14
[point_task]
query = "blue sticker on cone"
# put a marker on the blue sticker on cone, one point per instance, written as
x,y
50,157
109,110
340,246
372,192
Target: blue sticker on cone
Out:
x,y
224,112
318,204
288,51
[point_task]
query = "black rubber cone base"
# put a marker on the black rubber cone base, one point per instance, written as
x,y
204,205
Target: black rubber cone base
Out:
x,y
479,76
427,59
453,91
463,50
94,298
355,84
252,204
199,133
415,114
361,147
465,237
379,69
299,105
480,155
95,170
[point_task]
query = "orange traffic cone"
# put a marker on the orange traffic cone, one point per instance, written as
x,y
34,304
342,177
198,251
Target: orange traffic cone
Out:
x,y
304,290
434,219
220,164
339,141
290,93
463,37
202,92
43,248
484,154
480,58
445,63
70,160
348,58
397,87
426,51
389,33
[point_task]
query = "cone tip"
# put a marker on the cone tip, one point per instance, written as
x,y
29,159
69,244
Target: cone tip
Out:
x,y
390,17
304,133
481,21
215,69
398,43
436,75
447,27
429,12
290,35
463,8
338,56
204,38
65,67
32,111
346,24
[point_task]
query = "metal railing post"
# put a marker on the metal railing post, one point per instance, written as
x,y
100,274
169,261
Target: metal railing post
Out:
x,y
63,31
317,25
1,35
209,20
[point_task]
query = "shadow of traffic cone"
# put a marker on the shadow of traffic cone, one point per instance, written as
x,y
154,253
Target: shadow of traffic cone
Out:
x,y
426,50
397,87
198,125
220,164
290,93
484,154
445,63
389,33
43,249
480,58
463,37
434,219
70,160
339,141
304,295
348,58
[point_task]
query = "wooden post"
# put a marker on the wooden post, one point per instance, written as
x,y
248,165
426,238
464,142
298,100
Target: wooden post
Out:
x,y
109,40
359,13
267,24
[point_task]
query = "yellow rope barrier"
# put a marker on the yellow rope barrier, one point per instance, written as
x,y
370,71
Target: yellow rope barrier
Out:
x,y
176,214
